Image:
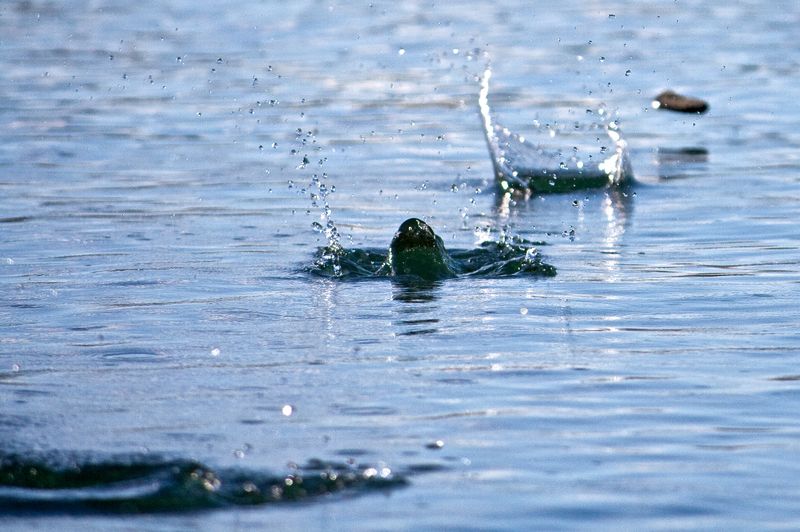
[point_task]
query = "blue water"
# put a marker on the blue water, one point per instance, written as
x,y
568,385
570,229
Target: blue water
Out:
x,y
157,225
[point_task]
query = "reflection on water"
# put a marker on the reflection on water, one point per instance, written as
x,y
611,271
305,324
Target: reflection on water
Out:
x,y
681,163
420,313
608,212
617,210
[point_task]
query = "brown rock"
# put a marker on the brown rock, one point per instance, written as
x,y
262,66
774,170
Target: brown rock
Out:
x,y
672,101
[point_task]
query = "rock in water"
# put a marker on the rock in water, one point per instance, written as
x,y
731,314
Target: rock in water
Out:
x,y
417,251
672,101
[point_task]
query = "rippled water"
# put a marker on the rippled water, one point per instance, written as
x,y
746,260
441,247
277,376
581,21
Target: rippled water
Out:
x,y
164,177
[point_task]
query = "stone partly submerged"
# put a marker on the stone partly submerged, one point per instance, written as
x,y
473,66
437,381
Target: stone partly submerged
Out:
x,y
417,250
672,101
556,157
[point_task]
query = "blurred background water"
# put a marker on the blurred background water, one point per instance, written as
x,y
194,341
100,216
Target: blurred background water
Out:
x,y
160,175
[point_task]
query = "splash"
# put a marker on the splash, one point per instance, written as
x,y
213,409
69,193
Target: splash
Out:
x,y
489,260
418,253
557,157
319,188
148,484
326,225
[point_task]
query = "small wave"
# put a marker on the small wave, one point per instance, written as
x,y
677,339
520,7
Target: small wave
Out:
x,y
147,484
556,157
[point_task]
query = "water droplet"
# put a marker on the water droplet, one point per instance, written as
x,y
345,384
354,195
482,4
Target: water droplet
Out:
x,y
401,51
602,59
287,410
627,72
438,444
317,227
15,368
523,311
215,352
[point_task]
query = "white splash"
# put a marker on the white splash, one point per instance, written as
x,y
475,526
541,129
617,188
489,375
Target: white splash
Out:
x,y
556,157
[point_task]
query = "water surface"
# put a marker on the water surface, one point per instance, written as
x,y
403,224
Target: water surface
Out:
x,y
162,169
